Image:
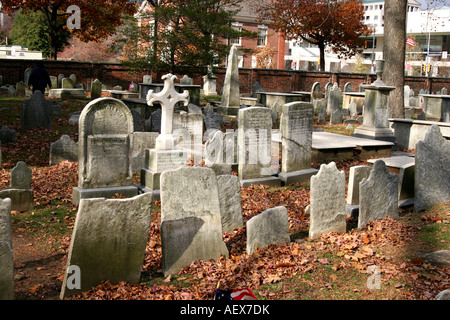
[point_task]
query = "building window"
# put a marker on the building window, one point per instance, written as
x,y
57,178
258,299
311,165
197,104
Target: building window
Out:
x,y
262,36
237,27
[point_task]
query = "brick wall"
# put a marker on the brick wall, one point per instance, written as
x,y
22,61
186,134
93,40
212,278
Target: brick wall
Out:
x,y
277,80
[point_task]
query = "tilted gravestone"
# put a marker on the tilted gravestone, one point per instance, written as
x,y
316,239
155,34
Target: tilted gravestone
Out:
x,y
191,227
96,89
8,135
215,153
269,227
378,195
230,202
255,147
37,112
6,252
63,149
104,163
108,242
334,98
432,176
296,139
327,208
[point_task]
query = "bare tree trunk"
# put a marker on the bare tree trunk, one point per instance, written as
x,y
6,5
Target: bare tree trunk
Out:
x,y
394,53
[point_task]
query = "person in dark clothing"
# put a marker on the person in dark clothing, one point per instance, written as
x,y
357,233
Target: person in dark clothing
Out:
x,y
39,78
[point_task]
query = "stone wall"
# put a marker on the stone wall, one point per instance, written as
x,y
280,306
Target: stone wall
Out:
x,y
278,80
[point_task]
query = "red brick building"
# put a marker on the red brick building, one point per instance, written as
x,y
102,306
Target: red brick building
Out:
x,y
246,19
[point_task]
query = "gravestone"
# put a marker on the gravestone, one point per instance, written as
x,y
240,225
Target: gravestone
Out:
x,y
257,87
96,89
406,94
8,135
334,98
20,191
269,227
186,80
255,147
229,189
37,112
348,87
378,195
191,227
316,91
322,114
230,95
153,124
108,241
432,182
296,139
336,116
164,156
356,174
20,89
215,153
327,208
66,83
6,252
188,127
63,149
54,82
73,77
104,150
376,111
147,78
213,120
26,76
209,85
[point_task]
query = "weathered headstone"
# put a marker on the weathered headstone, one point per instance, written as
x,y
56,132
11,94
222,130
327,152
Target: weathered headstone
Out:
x,y
96,89
20,89
348,87
336,116
54,82
147,78
334,98
8,135
186,80
327,208
37,112
209,85
356,174
322,114
191,227
269,227
20,191
108,242
6,252
66,83
378,195
255,146
73,77
63,149
212,120
230,202
432,176
188,127
296,139
215,153
104,150
230,96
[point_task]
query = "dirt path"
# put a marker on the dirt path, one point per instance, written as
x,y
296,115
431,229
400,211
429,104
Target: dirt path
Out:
x,y
37,268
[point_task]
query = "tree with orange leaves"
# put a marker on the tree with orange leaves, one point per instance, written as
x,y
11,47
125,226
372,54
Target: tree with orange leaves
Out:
x,y
334,23
98,18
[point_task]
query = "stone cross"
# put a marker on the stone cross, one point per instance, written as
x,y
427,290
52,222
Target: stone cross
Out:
x,y
168,98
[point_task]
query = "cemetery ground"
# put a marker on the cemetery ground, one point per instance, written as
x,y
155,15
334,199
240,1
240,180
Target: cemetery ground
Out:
x,y
334,266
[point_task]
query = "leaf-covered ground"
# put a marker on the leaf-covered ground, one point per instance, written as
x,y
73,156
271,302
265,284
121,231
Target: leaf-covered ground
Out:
x,y
335,266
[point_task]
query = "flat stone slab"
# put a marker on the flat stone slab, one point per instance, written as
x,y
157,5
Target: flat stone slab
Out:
x,y
267,181
67,93
84,193
401,162
327,140
294,177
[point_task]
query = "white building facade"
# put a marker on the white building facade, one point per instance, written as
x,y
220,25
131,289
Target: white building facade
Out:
x,y
429,30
